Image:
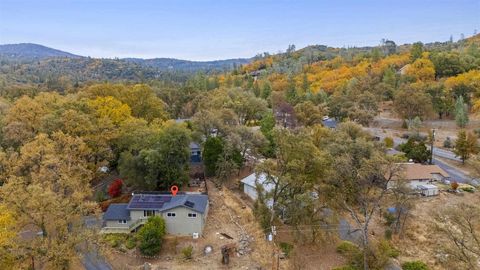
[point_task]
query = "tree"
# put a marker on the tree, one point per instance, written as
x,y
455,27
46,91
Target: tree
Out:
x,y
111,108
416,51
298,166
415,150
144,103
267,125
360,187
163,164
7,238
421,69
389,47
48,190
458,231
212,150
447,64
140,98
414,126
308,114
151,236
229,162
465,145
461,113
115,188
409,103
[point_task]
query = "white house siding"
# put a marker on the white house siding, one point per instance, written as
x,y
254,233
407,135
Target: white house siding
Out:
x,y
412,183
415,183
115,224
250,191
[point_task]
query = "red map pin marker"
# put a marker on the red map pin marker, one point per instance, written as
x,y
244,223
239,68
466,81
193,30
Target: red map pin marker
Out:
x,y
174,190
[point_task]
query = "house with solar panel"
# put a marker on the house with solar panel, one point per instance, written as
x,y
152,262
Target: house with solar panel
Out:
x,y
184,214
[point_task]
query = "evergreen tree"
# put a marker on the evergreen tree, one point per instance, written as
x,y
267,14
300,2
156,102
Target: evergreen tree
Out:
x,y
461,113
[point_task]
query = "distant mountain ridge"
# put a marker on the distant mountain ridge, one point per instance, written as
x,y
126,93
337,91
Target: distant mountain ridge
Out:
x,y
32,52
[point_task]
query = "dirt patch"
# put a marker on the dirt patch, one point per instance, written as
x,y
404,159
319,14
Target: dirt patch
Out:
x,y
420,242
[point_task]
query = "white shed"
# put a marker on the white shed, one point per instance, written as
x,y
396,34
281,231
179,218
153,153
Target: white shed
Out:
x,y
428,190
250,185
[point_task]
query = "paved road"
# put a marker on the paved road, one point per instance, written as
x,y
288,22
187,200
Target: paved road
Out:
x,y
455,174
396,141
92,259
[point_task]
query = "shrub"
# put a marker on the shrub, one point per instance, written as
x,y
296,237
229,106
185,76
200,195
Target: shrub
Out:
x,y
347,247
151,236
388,142
100,196
187,252
388,234
468,189
454,185
346,267
477,131
390,218
115,240
447,143
115,188
286,248
385,247
414,265
131,243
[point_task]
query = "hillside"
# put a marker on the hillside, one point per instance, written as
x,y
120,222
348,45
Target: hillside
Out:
x,y
30,51
27,52
190,66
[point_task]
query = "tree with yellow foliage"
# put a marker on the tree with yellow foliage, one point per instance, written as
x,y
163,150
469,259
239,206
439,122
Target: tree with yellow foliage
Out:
x,y
48,191
111,108
422,69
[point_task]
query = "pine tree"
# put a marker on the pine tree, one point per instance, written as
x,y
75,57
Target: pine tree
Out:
x,y
461,114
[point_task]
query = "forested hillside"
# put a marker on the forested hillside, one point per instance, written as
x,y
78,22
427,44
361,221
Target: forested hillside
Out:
x,y
422,80
38,66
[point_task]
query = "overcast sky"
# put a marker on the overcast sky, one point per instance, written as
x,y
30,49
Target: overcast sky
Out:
x,y
207,29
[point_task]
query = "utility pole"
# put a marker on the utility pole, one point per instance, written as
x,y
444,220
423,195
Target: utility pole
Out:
x,y
431,146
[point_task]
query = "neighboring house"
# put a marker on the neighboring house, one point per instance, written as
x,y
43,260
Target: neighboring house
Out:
x,y
329,123
195,150
250,185
184,214
420,177
182,120
195,153
403,70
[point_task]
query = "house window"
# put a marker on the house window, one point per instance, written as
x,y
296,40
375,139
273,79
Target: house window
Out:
x,y
122,221
148,213
171,214
192,215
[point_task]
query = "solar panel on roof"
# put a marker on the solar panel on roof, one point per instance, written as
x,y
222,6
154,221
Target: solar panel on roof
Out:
x,y
189,204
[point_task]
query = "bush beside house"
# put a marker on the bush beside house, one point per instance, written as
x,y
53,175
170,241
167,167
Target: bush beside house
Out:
x,y
151,236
